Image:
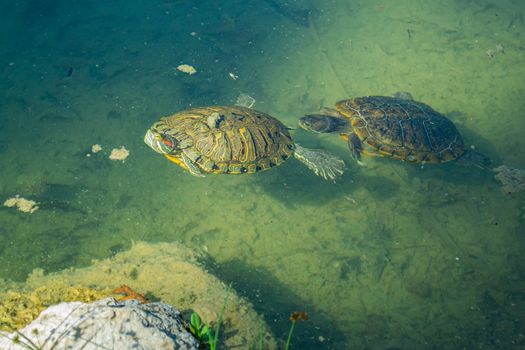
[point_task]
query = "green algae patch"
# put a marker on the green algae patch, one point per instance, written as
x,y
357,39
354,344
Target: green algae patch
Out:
x,y
19,308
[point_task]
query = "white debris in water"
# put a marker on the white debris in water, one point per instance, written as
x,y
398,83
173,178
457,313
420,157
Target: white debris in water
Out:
x,y
186,68
96,148
22,204
491,53
245,100
119,153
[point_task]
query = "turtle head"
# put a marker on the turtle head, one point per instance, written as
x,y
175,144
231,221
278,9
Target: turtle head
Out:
x,y
160,142
322,123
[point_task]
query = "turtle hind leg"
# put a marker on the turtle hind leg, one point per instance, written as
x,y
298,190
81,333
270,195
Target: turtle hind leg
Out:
x,y
322,163
474,158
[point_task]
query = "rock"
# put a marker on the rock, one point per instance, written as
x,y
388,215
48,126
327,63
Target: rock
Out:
x,y
104,324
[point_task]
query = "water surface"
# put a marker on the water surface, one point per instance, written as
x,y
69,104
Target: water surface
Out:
x,y
391,256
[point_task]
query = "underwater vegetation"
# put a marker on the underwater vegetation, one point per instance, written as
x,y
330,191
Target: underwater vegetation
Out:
x,y
294,317
18,309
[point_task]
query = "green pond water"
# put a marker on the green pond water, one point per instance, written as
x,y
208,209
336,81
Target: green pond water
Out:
x,y
390,256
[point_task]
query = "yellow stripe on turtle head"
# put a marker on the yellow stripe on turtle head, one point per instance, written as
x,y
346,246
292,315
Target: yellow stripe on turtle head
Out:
x,y
177,161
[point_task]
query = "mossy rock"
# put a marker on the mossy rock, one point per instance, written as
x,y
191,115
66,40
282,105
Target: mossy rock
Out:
x,y
18,309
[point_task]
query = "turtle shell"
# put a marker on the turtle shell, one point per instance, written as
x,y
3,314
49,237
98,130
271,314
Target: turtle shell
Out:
x,y
402,129
227,139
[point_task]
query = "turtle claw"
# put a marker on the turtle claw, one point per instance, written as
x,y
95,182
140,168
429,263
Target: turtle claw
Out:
x,y
322,163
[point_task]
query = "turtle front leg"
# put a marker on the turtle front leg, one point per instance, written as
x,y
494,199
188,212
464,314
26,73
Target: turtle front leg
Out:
x,y
191,166
354,143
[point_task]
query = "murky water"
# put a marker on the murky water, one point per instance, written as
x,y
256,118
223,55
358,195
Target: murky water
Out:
x,y
391,256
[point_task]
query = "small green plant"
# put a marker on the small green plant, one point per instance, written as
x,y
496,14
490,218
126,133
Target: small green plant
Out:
x,y
203,332
261,334
294,317
215,341
200,330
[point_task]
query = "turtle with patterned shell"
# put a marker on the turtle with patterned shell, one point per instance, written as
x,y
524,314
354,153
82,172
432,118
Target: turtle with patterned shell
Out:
x,y
233,140
396,127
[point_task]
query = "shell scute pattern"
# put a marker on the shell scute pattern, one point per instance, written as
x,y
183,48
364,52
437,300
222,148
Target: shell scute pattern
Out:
x,y
402,129
229,139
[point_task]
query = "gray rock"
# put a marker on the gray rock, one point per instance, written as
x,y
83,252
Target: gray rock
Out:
x,y
105,324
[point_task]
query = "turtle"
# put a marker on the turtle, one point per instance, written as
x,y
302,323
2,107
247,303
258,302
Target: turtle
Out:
x,y
233,140
396,127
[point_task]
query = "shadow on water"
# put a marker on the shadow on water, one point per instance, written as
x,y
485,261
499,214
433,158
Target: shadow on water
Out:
x,y
380,187
19,262
294,186
276,302
471,137
60,197
38,11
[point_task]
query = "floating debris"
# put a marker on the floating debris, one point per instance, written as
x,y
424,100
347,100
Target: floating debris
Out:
x,y
186,68
245,100
491,53
119,153
350,199
22,204
513,179
96,148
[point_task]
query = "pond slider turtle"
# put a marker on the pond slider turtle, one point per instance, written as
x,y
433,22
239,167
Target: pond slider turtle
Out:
x,y
233,140
396,127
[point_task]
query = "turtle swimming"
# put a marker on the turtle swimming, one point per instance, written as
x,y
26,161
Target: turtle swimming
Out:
x,y
233,140
396,127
